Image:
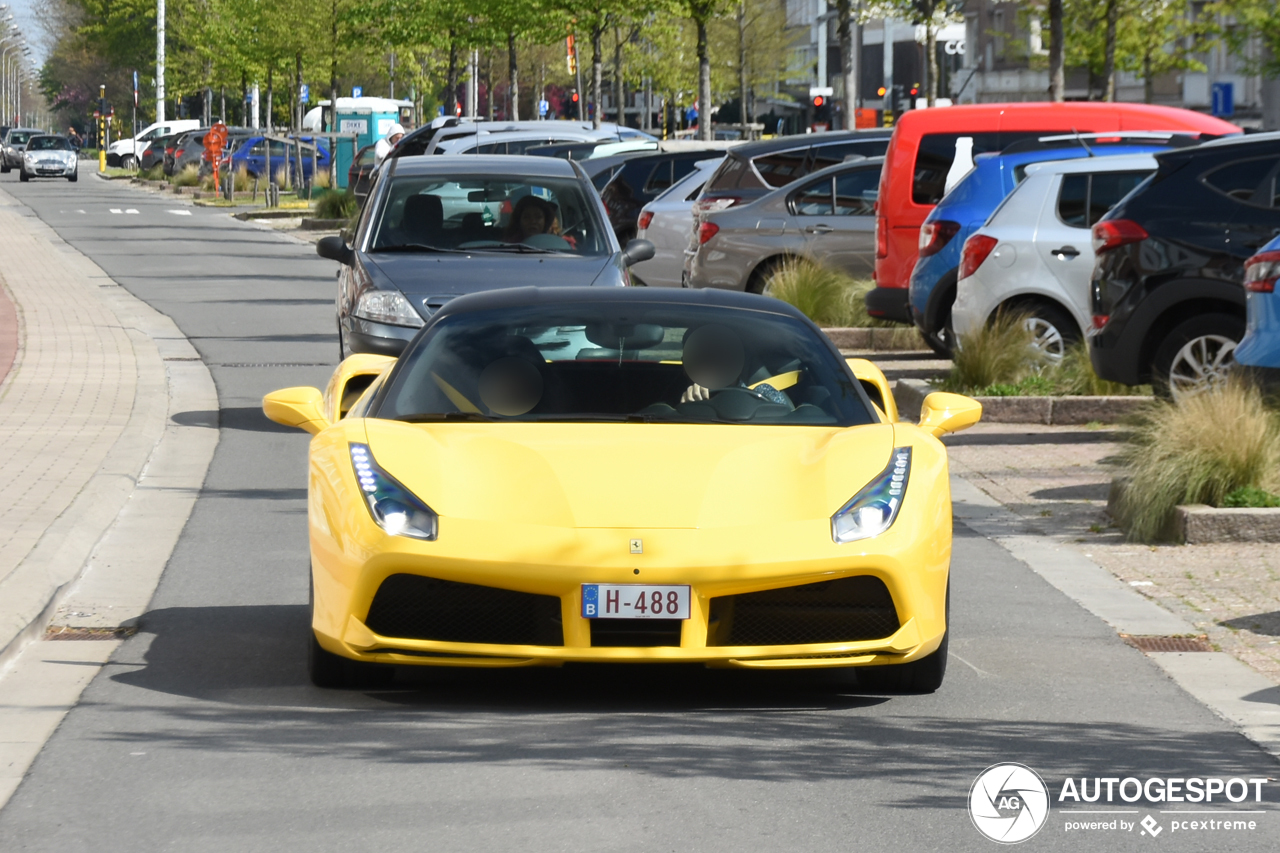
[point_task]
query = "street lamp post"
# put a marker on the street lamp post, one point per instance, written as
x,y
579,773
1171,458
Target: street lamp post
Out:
x,y
9,76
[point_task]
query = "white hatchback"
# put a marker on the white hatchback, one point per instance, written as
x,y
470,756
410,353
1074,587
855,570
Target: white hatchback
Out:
x,y
1034,255
667,222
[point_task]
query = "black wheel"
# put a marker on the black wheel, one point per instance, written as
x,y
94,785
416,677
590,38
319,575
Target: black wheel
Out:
x,y
336,672
761,275
73,178
342,345
921,676
22,176
1196,355
4,168
1053,328
127,161
940,341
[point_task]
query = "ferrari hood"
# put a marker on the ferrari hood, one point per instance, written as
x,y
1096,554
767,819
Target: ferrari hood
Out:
x,y
631,475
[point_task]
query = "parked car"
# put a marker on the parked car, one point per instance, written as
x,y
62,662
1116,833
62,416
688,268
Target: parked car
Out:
x,y
251,155
566,150
438,227
360,175
1168,300
666,222
641,178
15,142
973,199
512,142
924,151
49,156
828,217
753,169
153,155
126,152
425,139
1034,255
188,149
1259,351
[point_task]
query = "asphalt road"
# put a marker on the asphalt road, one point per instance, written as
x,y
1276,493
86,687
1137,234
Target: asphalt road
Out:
x,y
204,733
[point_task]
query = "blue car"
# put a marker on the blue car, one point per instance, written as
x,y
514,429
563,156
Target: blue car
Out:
x,y
1259,351
251,155
968,205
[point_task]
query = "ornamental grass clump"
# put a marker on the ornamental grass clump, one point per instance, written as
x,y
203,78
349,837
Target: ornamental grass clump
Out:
x,y
826,296
1074,376
336,205
999,353
1199,450
188,177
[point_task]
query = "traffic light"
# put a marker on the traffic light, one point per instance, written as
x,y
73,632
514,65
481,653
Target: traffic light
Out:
x,y
821,110
818,101
881,91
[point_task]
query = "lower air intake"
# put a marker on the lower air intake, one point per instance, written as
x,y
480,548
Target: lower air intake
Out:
x,y
838,611
421,608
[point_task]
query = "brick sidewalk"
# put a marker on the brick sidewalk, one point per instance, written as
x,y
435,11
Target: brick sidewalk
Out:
x,y
1057,479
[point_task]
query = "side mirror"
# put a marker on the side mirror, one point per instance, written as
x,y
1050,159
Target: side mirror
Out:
x,y
300,407
335,249
876,386
637,251
942,413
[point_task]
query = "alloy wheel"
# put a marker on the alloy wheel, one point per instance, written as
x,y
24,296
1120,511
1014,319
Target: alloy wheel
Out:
x,y
1202,363
1046,339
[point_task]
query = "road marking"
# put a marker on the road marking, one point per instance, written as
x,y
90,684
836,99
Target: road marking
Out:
x,y
181,212
116,210
131,210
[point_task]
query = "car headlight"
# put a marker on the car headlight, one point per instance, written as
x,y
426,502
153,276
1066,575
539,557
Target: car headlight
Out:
x,y
873,509
395,509
387,306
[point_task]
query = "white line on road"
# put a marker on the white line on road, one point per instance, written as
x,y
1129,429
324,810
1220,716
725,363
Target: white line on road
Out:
x,y
131,210
181,212
116,210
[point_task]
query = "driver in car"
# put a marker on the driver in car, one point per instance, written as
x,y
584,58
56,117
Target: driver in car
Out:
x,y
714,359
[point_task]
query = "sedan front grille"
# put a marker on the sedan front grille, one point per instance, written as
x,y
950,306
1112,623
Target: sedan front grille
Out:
x,y
837,611
421,608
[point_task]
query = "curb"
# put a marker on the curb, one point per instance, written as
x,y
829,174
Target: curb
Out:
x,y
1199,524
898,338
247,215
1228,687
323,224
910,393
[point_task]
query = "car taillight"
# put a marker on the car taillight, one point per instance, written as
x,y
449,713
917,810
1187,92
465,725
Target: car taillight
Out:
x,y
935,235
711,205
975,251
1261,272
1113,233
646,217
1100,320
882,237
178,153
706,231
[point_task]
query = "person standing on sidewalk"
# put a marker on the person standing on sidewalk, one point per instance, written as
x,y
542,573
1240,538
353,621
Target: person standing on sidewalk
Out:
x,y
380,151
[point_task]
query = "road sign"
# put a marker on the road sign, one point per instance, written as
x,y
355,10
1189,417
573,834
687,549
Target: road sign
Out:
x,y
305,93
357,91
1224,99
543,108
821,91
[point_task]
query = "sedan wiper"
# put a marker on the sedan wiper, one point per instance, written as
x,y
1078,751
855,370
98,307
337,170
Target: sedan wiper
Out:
x,y
495,246
419,247
436,417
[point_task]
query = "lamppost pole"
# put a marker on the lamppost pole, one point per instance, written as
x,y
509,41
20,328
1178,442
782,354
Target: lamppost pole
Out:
x,y
159,60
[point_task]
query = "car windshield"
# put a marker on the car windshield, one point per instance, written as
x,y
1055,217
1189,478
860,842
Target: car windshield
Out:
x,y
48,143
17,137
612,361
487,214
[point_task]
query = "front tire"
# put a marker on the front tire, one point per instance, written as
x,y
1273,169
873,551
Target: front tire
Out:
x,y
1053,330
73,178
23,176
1196,355
4,168
127,161
336,672
920,676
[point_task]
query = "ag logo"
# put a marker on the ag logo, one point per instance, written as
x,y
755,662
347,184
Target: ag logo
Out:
x,y
1008,803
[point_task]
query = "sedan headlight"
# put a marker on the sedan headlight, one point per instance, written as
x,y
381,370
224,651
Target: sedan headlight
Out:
x,y
872,510
387,306
395,509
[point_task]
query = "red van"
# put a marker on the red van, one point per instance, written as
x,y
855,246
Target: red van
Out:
x,y
923,147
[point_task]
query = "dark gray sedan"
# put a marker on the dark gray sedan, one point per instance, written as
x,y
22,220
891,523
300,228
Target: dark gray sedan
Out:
x,y
440,227
828,217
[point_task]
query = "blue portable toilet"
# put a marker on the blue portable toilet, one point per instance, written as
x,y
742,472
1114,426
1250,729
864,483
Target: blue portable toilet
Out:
x,y
368,119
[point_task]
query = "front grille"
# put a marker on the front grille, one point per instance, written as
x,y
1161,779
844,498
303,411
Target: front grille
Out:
x,y
421,608
838,611
635,632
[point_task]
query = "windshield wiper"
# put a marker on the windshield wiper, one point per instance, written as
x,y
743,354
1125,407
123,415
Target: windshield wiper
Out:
x,y
494,246
419,247
435,417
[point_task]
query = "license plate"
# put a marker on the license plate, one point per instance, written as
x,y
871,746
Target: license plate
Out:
x,y
634,601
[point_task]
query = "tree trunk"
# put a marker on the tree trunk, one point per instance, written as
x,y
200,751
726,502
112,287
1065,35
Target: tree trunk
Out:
x,y
513,76
1109,61
1148,85
704,82
222,112
851,52
270,100
931,48
742,66
1057,54
451,79
597,73
619,85
297,90
488,81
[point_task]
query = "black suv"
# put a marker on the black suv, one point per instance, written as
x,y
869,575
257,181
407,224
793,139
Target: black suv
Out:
x,y
750,171
1168,279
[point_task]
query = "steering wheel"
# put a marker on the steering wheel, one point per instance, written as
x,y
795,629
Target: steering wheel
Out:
x,y
759,395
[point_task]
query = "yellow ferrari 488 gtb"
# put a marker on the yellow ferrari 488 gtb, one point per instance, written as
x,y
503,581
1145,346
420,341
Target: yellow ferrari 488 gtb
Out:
x,y
624,475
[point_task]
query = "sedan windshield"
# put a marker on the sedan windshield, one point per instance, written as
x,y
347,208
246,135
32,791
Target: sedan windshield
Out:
x,y
17,137
652,362
488,214
48,143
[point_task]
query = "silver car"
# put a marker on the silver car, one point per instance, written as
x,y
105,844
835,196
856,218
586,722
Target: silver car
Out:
x,y
14,144
49,156
829,217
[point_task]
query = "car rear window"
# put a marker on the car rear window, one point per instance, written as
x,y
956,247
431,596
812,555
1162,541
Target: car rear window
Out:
x,y
734,173
831,155
1255,181
780,168
1086,198
938,151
